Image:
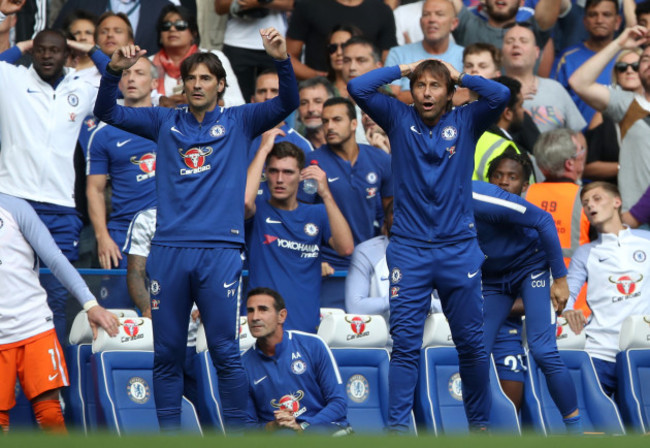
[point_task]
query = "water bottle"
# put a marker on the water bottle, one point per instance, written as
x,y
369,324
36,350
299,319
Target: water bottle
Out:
x,y
310,186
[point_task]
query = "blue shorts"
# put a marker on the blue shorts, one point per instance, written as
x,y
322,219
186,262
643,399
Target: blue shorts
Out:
x,y
508,352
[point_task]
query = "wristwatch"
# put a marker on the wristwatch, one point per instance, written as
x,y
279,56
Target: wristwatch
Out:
x,y
460,78
304,425
93,50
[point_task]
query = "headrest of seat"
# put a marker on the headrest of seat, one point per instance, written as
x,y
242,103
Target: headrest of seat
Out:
x,y
566,338
635,332
80,333
353,330
134,333
246,339
327,311
437,332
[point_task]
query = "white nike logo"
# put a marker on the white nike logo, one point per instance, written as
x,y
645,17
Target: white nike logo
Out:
x,y
472,275
272,221
256,382
539,274
173,129
120,144
332,179
415,130
228,285
51,377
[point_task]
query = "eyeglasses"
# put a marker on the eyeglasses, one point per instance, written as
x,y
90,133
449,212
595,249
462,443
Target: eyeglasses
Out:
x,y
621,67
180,25
332,48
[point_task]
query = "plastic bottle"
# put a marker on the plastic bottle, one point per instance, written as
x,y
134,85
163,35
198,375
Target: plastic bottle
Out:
x,y
310,186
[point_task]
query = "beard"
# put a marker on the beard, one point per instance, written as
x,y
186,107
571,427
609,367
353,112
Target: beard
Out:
x,y
501,16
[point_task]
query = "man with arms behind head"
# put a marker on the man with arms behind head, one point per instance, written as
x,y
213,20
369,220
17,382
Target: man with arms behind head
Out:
x,y
290,367
438,20
201,167
434,241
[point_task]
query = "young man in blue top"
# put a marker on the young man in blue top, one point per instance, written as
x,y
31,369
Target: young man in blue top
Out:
x,y
433,243
201,165
284,237
520,242
293,380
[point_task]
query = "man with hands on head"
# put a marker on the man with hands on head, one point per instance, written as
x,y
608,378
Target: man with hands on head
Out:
x,y
433,243
201,165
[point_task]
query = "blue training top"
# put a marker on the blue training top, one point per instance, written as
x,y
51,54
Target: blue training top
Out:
x,y
513,233
200,167
432,166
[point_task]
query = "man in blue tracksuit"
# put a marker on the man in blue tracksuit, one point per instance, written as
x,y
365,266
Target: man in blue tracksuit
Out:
x,y
293,379
201,165
520,243
433,243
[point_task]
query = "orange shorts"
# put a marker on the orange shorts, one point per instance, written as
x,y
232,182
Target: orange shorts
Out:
x,y
39,364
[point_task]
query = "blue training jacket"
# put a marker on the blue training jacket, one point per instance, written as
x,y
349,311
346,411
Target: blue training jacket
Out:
x,y
432,166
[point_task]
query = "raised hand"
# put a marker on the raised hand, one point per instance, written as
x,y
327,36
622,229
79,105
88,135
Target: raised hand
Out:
x,y
633,37
125,57
274,43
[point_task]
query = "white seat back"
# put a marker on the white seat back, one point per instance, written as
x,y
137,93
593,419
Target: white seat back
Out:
x,y
635,333
353,330
565,337
437,332
134,333
81,333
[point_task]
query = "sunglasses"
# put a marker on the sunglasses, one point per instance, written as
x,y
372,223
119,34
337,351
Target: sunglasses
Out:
x,y
332,48
621,67
180,25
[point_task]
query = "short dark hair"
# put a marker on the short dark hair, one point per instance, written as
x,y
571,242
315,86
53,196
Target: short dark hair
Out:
x,y
266,71
285,149
349,105
511,154
592,3
210,60
513,85
607,186
278,301
317,81
435,68
483,47
361,40
185,14
77,14
121,15
642,8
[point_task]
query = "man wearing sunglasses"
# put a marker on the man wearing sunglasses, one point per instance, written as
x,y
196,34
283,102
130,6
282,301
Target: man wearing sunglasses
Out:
x,y
201,165
628,109
601,20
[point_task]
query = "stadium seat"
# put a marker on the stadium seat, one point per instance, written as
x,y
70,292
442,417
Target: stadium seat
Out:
x,y
358,343
123,371
438,397
633,373
81,403
598,411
